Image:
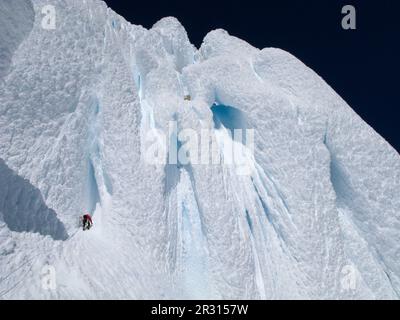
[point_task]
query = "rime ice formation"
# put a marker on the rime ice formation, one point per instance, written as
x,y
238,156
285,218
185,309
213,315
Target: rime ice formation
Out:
x,y
317,217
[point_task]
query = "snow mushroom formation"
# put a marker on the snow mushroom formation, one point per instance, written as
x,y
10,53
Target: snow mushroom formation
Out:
x,y
317,217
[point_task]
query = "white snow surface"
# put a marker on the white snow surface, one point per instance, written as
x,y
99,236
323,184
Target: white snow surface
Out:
x,y
322,198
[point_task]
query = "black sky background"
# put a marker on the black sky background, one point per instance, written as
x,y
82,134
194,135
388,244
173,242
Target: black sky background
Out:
x,y
361,65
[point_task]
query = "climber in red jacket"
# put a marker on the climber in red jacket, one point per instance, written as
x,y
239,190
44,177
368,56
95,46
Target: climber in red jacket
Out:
x,y
87,222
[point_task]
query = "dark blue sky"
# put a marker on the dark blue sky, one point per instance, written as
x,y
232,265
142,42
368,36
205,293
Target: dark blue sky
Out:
x,y
361,65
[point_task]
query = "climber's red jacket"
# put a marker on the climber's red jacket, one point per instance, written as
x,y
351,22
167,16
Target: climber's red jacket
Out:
x,y
87,217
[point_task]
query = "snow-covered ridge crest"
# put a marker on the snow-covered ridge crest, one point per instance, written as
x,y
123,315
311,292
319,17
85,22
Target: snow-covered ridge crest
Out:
x,y
316,217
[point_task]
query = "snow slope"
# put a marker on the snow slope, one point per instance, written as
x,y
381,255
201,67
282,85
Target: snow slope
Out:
x,y
322,196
